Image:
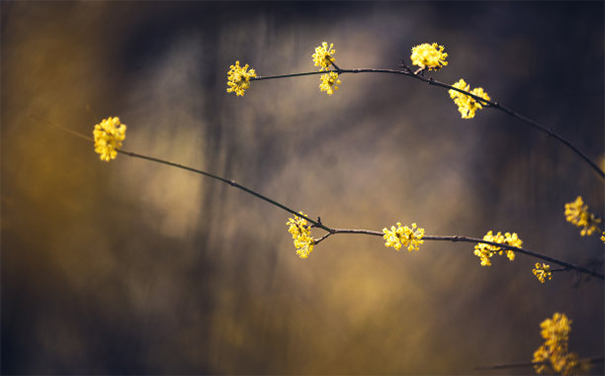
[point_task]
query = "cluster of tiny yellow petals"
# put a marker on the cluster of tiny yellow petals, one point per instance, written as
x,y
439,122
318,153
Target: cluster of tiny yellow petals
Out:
x,y
238,79
542,271
323,56
603,237
108,137
301,234
429,56
467,105
328,83
399,236
486,251
577,213
552,355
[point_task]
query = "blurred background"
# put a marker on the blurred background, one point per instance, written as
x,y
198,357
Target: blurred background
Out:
x,y
132,267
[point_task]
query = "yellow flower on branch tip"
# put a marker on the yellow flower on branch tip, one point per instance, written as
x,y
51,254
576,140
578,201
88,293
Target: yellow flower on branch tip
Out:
x,y
328,83
553,355
108,137
467,105
577,213
403,236
555,331
542,271
540,356
429,56
301,235
238,79
485,251
323,56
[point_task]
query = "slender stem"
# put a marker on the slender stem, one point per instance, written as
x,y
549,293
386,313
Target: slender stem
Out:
x,y
517,249
596,359
318,224
467,239
417,75
228,181
258,78
333,231
73,133
525,119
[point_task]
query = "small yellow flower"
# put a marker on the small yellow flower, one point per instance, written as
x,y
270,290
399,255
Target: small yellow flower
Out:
x,y
486,251
467,105
577,213
238,79
429,56
556,330
408,237
603,237
540,356
108,136
323,56
542,271
301,234
329,82
553,355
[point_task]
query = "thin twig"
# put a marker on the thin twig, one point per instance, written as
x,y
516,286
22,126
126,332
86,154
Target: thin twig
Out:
x,y
228,181
73,133
333,231
456,238
596,359
418,75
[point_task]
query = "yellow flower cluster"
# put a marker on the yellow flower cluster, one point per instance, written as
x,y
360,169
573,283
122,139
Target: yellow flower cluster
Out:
x,y
108,136
323,59
467,105
301,234
429,56
553,355
408,237
486,251
577,213
603,237
323,56
542,271
238,79
328,83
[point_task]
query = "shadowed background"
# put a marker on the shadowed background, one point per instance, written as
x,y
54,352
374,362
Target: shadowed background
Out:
x,y
131,267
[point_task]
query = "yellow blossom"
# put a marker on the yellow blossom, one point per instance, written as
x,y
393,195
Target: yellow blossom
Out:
x,y
467,105
429,56
329,82
408,237
301,234
541,355
553,355
238,78
108,136
486,251
603,237
577,213
556,330
323,56
542,271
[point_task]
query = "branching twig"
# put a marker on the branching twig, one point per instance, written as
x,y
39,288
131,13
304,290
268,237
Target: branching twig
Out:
x,y
333,231
419,76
